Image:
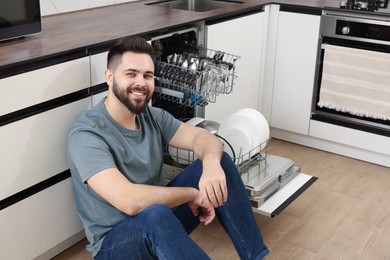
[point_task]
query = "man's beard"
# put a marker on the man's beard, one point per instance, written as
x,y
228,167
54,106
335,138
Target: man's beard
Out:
x,y
135,107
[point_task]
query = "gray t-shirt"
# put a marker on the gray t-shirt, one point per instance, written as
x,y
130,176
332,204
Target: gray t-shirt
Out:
x,y
97,142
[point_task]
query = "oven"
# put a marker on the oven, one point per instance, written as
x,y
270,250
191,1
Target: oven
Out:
x,y
352,86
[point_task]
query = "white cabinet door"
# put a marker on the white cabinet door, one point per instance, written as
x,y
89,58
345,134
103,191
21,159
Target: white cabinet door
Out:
x,y
34,87
243,37
33,149
295,61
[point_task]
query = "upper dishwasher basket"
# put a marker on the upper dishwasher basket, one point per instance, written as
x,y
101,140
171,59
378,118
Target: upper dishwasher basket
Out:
x,y
195,78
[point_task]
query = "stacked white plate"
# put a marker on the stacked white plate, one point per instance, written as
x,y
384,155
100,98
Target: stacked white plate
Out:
x,y
246,132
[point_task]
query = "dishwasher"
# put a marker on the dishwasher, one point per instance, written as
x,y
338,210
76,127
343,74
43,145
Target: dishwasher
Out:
x,y
189,76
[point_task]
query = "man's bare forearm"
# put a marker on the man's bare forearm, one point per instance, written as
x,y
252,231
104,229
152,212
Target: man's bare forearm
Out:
x,y
207,147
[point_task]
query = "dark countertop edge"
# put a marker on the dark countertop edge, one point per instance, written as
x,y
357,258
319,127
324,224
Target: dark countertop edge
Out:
x,y
15,53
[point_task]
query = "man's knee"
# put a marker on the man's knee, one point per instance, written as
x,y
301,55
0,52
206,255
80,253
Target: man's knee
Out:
x,y
158,215
156,212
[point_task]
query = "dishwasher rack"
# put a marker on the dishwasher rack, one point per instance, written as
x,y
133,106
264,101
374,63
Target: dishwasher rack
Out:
x,y
255,159
195,78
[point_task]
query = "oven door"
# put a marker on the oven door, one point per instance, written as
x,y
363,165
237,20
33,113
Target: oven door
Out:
x,y
353,77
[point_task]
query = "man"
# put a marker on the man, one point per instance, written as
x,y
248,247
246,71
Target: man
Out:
x,y
115,156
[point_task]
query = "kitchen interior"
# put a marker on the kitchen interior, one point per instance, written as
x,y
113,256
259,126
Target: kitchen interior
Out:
x,y
300,65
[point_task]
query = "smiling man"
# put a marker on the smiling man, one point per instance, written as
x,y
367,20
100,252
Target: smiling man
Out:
x,y
115,155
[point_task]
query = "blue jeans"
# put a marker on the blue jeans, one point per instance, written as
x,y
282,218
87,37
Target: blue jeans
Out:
x,y
159,232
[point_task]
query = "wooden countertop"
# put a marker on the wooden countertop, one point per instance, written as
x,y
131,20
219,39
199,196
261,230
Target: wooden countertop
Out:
x,y
67,32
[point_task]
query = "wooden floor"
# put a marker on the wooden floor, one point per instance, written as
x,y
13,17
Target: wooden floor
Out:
x,y
345,214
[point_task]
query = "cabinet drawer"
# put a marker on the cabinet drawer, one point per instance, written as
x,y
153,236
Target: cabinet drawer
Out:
x,y
40,223
34,87
34,149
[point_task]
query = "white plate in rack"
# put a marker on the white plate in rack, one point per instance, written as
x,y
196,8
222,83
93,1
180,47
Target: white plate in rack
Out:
x,y
253,124
239,139
260,127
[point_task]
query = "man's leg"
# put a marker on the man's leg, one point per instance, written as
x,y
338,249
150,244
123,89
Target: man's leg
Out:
x,y
188,178
155,233
235,215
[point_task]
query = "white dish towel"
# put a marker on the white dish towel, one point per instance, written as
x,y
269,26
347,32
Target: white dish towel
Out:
x,y
356,81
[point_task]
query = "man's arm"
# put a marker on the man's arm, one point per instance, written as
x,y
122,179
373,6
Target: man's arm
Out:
x,y
208,149
132,198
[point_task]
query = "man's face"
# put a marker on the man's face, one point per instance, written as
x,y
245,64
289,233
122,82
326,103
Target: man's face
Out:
x,y
133,81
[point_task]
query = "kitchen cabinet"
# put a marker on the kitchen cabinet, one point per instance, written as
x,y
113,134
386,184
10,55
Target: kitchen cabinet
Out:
x,y
294,70
350,142
31,145
36,198
34,149
241,36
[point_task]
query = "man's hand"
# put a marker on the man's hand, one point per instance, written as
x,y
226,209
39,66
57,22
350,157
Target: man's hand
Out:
x,y
212,185
208,148
208,213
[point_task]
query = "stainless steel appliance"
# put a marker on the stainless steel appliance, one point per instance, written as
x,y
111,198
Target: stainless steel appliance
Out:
x,y
353,67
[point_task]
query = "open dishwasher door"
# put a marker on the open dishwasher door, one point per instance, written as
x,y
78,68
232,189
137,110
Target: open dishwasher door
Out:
x,y
276,203
273,183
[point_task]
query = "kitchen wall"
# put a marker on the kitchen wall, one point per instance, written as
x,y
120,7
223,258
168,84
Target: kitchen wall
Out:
x,y
49,7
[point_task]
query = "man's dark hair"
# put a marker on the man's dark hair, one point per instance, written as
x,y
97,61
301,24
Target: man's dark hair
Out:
x,y
128,44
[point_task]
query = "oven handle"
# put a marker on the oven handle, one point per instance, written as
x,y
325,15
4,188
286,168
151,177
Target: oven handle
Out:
x,y
354,44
